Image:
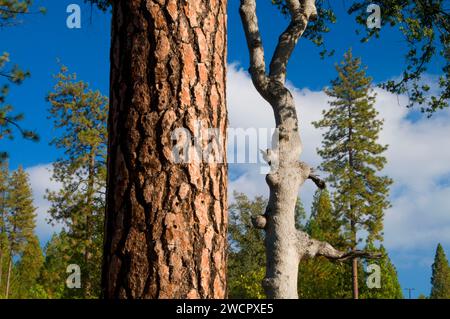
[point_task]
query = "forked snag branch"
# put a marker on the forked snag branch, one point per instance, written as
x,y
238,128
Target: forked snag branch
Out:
x,y
285,245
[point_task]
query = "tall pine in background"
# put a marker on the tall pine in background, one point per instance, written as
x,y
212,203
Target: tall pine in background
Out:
x,y
20,219
353,157
440,280
79,115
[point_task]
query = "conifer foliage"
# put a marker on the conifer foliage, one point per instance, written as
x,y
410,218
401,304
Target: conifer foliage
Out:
x,y
20,221
440,279
389,284
79,115
10,10
352,156
4,252
319,277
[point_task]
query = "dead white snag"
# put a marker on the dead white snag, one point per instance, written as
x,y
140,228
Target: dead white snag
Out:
x,y
285,245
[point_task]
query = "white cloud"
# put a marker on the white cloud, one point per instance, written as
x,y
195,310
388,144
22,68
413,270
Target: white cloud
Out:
x,y
40,180
418,155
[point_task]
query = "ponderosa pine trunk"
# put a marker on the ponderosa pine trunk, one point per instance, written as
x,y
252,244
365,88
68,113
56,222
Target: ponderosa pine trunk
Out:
x,y
165,221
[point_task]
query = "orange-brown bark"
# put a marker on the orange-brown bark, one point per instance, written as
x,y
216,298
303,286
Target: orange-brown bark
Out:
x,y
165,221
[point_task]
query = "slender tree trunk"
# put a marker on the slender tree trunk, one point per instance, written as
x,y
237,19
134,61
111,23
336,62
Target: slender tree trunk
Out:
x,y
355,278
2,230
89,209
1,263
165,221
87,258
353,230
8,278
355,284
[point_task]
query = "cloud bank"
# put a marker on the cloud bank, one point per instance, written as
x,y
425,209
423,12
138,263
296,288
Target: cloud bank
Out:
x,y
418,159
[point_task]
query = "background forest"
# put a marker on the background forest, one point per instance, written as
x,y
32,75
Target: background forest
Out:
x,y
54,146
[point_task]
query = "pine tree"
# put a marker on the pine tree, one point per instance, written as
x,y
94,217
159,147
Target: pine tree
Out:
x,y
440,280
80,115
246,255
53,275
28,269
352,156
20,218
390,285
300,215
156,89
324,223
10,10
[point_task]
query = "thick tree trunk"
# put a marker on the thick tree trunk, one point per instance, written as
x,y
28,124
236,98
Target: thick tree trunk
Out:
x,y
165,221
282,244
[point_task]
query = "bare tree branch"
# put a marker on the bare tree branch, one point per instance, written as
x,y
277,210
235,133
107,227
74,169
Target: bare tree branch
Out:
x,y
320,183
309,173
255,46
301,13
320,248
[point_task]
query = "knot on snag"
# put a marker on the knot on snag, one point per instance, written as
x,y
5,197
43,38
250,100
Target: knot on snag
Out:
x,y
259,222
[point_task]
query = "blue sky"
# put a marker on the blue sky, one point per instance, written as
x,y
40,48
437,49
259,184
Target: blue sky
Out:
x,y
40,40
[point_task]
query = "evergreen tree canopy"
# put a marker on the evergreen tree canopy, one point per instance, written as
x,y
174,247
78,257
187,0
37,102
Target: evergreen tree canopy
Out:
x,y
58,256
324,223
28,269
390,285
320,278
4,254
246,253
79,115
351,153
21,216
440,280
